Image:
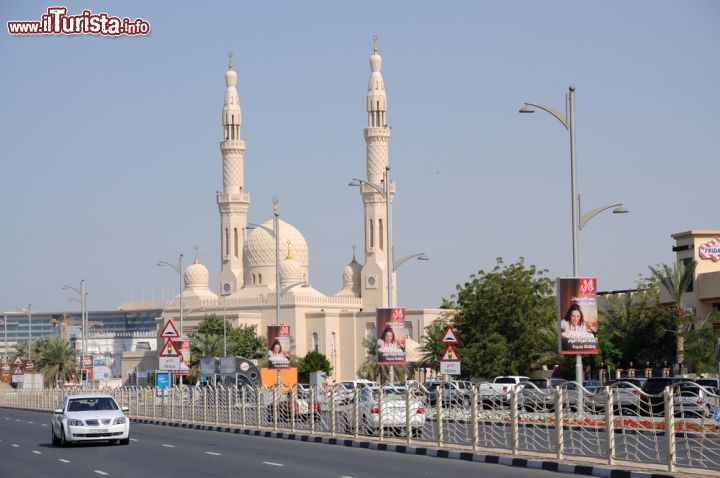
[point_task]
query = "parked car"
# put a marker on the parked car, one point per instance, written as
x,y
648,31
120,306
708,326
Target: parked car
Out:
x,y
627,393
537,394
712,384
84,418
692,399
457,392
302,403
498,392
393,408
651,400
430,391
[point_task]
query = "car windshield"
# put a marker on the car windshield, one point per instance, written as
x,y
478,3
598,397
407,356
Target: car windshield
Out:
x,y
91,404
538,382
707,382
656,386
505,380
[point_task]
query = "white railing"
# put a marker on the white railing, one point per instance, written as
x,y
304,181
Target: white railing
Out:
x,y
677,429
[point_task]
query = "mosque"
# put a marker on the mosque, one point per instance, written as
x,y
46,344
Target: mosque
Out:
x,y
335,325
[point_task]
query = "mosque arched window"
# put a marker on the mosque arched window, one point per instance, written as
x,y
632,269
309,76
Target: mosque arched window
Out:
x,y
259,278
316,342
236,242
380,233
372,234
227,242
253,279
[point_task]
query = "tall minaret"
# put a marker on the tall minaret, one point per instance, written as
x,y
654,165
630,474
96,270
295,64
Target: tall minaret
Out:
x,y
377,136
233,201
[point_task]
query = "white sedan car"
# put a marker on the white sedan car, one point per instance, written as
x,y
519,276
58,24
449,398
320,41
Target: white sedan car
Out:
x,y
84,418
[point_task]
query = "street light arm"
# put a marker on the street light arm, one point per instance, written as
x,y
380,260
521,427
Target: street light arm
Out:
x,y
264,228
69,287
359,182
585,218
420,255
165,263
561,117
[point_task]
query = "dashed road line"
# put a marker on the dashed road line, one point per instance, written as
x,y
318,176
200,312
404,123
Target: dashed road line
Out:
x,y
271,463
30,423
37,452
64,460
15,445
100,472
168,446
213,453
134,439
44,424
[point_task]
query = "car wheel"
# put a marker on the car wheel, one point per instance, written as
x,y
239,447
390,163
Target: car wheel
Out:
x,y
55,440
63,441
124,441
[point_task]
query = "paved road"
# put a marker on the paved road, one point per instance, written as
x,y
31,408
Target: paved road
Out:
x,y
157,451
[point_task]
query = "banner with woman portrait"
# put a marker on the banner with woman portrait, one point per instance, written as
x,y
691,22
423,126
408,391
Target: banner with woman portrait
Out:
x,y
278,346
577,315
391,334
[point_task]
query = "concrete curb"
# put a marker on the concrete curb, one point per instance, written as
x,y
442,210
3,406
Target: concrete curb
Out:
x,y
538,464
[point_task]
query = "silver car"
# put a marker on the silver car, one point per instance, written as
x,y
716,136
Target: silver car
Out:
x,y
85,418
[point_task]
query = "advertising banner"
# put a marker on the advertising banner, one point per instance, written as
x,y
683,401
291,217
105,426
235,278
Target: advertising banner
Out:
x,y
278,346
5,372
577,315
184,347
87,363
391,332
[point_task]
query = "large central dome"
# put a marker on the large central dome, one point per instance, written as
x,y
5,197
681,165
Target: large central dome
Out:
x,y
259,249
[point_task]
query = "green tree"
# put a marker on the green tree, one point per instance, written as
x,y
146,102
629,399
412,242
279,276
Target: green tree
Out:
x,y
55,359
700,345
636,328
676,280
312,362
505,319
246,343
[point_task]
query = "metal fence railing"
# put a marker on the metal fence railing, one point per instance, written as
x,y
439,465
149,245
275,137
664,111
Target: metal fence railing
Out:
x,y
678,428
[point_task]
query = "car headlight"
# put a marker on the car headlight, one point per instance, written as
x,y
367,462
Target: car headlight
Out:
x,y
76,423
119,421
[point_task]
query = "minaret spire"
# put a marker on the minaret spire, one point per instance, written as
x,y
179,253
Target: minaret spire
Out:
x,y
377,138
233,202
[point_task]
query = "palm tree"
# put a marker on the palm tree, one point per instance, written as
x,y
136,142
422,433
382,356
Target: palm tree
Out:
x,y
676,280
431,346
55,359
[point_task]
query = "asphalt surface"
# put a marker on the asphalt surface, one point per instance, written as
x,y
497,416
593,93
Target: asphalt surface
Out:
x,y
157,451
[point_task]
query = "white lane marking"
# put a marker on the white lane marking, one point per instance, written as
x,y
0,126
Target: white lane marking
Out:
x,y
30,423
37,452
134,439
169,446
18,420
64,460
100,472
345,476
15,445
213,453
44,424
271,463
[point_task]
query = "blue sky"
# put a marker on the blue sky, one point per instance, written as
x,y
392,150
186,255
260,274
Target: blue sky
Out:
x,y
110,146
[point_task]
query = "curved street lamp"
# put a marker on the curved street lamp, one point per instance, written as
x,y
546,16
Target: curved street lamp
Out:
x,y
82,292
578,220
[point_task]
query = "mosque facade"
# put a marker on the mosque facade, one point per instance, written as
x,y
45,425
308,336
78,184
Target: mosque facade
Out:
x,y
245,289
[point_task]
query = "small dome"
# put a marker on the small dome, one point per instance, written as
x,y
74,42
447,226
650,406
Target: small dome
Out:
x,y
375,58
291,272
196,275
351,274
259,249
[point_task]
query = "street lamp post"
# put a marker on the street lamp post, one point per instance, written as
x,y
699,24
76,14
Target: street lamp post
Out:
x,y
28,312
392,266
178,268
274,233
578,221
82,292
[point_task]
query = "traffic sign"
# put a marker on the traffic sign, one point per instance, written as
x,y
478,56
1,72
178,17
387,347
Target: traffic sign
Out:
x,y
169,363
169,349
449,337
169,331
450,355
18,361
450,368
18,371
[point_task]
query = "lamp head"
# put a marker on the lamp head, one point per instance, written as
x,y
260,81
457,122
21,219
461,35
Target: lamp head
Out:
x,y
527,109
423,257
355,182
620,210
